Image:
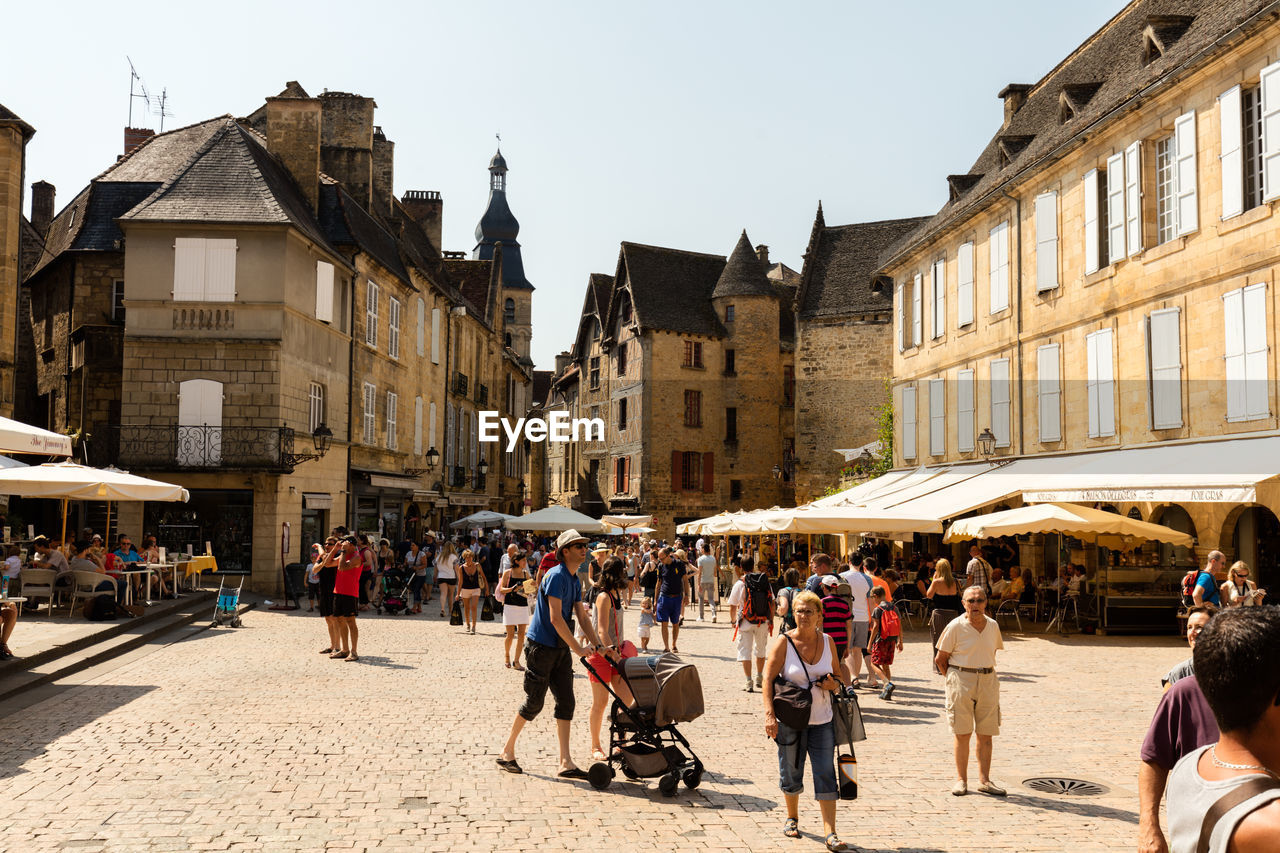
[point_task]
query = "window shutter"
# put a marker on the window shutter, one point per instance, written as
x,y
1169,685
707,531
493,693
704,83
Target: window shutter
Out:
x,y
938,277
471,436
1233,352
1115,208
1184,132
998,249
1271,132
1092,237
1000,410
964,421
1231,158
964,284
435,335
1050,393
324,291
417,426
422,328
220,270
1257,402
1046,241
902,317
917,309
626,474
200,405
708,472
431,426
909,422
937,417
1164,339
1091,367
1133,197
393,328
188,269
371,314
1101,384
677,459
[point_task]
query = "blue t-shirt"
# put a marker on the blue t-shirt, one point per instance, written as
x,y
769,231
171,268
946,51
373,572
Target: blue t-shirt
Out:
x,y
1205,581
671,576
558,583
130,556
814,584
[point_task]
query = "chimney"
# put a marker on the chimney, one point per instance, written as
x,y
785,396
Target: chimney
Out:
x,y
427,209
1014,95
42,193
762,252
293,136
384,151
346,143
135,136
562,362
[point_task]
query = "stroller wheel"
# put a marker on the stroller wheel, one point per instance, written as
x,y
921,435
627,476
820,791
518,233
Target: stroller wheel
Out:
x,y
599,775
668,784
692,777
235,623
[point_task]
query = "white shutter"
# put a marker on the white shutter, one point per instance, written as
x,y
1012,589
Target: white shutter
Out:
x,y
1233,352
188,269
1050,393
1270,96
1092,235
1046,241
937,417
393,328
998,250
1231,158
450,444
1101,384
917,309
909,422
422,328
371,314
393,416
938,277
220,270
435,335
431,427
1164,338
901,303
964,421
370,413
1115,208
1000,421
471,427
1133,197
964,284
417,426
1184,133
324,291
1257,403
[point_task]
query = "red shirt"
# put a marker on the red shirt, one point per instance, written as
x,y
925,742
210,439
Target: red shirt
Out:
x,y
348,581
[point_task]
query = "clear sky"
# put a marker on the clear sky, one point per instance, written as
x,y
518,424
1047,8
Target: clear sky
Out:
x,y
671,123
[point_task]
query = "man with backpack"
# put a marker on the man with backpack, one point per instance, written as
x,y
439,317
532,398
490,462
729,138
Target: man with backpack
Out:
x,y
886,637
860,585
751,612
1203,588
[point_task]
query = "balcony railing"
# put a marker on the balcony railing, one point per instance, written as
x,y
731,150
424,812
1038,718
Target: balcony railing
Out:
x,y
482,393
459,477
199,448
460,383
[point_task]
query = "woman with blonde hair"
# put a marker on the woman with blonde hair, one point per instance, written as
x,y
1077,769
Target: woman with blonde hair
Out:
x,y
472,584
1237,590
944,592
447,577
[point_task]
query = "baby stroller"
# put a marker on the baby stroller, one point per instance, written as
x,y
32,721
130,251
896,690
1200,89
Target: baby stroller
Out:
x,y
393,596
643,740
227,602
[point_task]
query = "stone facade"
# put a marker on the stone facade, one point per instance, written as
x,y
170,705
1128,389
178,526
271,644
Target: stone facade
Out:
x,y
14,134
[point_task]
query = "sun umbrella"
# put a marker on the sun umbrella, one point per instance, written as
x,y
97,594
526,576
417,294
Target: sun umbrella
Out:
x,y
626,521
17,437
6,462
483,518
555,518
1082,522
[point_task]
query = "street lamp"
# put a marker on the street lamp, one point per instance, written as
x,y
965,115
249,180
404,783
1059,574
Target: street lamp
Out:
x,y
986,443
321,438
433,456
482,468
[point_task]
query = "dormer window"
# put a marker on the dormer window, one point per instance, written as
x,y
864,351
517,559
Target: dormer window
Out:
x,y
1066,112
958,185
1011,147
1160,34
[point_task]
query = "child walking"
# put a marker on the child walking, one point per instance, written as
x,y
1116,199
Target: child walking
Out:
x,y
645,627
886,637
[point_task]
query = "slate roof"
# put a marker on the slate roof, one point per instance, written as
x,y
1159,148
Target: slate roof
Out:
x,y
542,385
346,223
160,157
1104,74
473,280
595,308
840,266
671,289
743,274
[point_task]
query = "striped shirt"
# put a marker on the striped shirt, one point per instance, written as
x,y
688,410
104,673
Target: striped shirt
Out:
x,y
835,618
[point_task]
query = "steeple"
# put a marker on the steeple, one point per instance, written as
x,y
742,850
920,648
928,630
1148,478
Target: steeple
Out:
x,y
498,224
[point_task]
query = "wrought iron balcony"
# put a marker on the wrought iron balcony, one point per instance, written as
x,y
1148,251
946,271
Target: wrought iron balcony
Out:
x,y
202,448
460,383
459,477
482,393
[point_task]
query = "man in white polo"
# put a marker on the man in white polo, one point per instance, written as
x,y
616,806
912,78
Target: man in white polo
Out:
x,y
967,659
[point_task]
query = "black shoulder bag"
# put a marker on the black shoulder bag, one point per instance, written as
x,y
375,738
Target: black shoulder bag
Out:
x,y
792,703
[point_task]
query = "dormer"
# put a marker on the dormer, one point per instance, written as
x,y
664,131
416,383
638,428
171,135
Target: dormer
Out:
x,y
1011,147
1073,99
1160,34
1014,96
960,184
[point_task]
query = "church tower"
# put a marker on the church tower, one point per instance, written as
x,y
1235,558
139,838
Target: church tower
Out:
x,y
499,226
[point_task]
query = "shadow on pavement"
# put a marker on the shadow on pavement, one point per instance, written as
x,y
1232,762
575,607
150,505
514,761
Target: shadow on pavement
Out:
x,y
898,715
385,663
1082,808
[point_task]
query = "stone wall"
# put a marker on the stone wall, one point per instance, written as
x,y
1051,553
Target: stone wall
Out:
x,y
12,150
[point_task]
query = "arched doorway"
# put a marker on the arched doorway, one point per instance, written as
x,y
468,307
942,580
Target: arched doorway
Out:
x,y
1175,556
1256,540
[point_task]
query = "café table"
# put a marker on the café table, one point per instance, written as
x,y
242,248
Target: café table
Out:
x,y
18,601
159,569
192,566
138,569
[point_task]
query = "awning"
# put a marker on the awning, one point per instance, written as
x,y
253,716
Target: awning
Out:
x,y
387,481
425,496
317,500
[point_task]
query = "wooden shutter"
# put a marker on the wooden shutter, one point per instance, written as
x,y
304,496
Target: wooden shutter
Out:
x,y
1165,353
901,304
422,328
708,472
1050,393
909,422
965,433
1092,232
1257,396
1184,133
677,460
1270,96
626,472
220,271
998,243
1101,385
937,417
188,269
435,335
938,278
964,284
450,453
371,314
917,309
1000,410
1046,241
417,426
393,328
431,427
1233,351
1231,158
1133,197
324,291
1115,208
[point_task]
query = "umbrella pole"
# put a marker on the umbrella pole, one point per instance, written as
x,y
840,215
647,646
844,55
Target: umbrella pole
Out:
x,y
106,534
63,540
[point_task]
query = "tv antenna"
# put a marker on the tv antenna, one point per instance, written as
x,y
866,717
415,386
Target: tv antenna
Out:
x,y
138,91
161,109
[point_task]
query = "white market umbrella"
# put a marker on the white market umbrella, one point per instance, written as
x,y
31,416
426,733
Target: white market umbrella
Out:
x,y
1082,522
555,518
626,521
6,462
17,437
483,518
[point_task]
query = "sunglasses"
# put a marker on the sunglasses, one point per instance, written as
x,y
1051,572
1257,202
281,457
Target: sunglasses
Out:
x,y
975,601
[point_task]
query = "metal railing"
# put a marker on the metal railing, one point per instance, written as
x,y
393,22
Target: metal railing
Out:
x,y
199,448
460,383
458,478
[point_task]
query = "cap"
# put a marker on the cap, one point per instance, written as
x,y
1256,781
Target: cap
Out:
x,y
830,580
569,537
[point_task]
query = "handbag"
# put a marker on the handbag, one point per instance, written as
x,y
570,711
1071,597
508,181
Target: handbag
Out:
x,y
792,703
847,714
455,615
486,609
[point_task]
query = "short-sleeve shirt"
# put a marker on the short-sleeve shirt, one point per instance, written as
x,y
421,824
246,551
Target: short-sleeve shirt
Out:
x,y
883,584
1205,581
130,556
859,588
57,561
707,568
835,618
877,613
348,579
814,584
1179,672
671,577
1183,722
967,646
559,583
979,574
738,594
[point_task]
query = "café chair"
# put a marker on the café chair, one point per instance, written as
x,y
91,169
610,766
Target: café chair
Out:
x,y
38,583
84,585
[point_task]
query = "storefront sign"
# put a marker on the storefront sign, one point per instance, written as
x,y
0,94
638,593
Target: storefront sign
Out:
x,y
1171,495
469,500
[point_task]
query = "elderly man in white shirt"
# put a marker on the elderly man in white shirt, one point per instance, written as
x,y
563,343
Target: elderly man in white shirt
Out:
x,y
967,658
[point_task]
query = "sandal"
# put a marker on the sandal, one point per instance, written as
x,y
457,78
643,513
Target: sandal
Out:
x,y
327,651
598,755
791,829
835,845
508,664
339,655
352,658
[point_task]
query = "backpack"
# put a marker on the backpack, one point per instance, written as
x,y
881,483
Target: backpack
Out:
x,y
789,620
890,624
755,605
1189,587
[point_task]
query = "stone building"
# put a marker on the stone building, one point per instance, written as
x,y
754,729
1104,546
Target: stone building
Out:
x,y
562,458
844,346
1100,289
14,134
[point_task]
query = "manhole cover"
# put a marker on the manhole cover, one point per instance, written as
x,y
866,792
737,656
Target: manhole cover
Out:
x,y
1065,786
